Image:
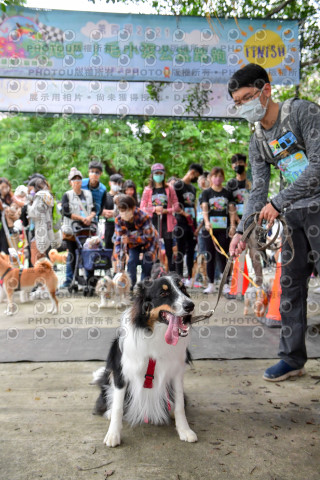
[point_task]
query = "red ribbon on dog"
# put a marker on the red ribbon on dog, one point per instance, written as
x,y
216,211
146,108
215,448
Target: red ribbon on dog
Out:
x,y
149,376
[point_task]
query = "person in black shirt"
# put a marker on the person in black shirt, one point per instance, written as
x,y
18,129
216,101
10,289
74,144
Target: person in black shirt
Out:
x,y
186,219
219,215
239,188
108,208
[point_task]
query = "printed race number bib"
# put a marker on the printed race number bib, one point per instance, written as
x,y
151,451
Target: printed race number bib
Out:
x,y
292,166
240,208
218,222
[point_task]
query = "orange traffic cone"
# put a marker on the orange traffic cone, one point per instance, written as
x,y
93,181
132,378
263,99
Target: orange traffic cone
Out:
x,y
239,283
273,316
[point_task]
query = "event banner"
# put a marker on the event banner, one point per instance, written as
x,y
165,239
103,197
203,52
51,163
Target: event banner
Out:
x,y
86,46
122,98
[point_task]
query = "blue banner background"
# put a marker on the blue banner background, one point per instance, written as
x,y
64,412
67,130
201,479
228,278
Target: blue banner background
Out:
x,y
91,46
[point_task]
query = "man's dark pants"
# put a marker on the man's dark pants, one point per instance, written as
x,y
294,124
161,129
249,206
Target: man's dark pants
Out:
x,y
304,224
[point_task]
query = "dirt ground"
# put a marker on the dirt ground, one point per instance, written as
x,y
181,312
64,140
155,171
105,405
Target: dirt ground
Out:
x,y
247,428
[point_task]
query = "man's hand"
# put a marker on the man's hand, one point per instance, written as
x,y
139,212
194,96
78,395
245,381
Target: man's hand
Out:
x,y
107,213
269,214
236,245
232,231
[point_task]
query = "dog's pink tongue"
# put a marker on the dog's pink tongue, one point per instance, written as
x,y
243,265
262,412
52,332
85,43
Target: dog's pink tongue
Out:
x,y
172,333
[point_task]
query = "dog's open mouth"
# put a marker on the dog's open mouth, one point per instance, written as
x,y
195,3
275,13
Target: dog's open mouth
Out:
x,y
177,326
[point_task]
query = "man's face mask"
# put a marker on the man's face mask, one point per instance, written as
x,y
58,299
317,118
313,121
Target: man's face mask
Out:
x,y
253,111
239,169
115,187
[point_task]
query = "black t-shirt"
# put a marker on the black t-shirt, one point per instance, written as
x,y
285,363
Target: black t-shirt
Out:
x,y
186,194
159,199
109,205
218,203
238,189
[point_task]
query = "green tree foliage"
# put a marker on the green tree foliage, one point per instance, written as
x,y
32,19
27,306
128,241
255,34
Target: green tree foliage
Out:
x,y
51,146
177,144
11,3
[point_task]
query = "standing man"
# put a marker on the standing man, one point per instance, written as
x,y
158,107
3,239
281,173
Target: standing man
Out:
x,y
186,219
287,137
108,208
97,188
239,188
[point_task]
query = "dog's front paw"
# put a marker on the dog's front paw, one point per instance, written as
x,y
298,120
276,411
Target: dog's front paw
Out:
x,y
112,439
187,436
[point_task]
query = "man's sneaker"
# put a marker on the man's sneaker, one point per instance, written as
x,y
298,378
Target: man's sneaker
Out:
x,y
281,371
188,282
210,289
66,284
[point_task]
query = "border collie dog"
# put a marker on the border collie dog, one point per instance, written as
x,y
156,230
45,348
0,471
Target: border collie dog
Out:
x,y
143,378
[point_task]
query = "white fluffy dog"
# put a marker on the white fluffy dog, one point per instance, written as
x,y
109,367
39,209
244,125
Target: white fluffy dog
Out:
x,y
105,289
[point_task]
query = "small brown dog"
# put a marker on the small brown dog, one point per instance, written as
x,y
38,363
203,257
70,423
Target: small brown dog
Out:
x,y
56,257
122,284
200,266
257,299
27,278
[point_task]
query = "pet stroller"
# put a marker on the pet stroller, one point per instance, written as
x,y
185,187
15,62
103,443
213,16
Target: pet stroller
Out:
x,y
90,260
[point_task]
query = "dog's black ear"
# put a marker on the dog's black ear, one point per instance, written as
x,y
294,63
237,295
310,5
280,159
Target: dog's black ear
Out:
x,y
142,303
138,301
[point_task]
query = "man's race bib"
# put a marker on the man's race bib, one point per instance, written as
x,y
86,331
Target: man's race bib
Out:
x,y
218,222
292,166
240,208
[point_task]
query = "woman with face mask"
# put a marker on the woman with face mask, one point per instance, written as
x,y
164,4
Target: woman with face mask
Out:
x,y
160,201
219,215
108,208
136,236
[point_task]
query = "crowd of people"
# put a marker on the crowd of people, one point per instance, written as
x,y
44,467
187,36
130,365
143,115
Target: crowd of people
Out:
x,y
167,215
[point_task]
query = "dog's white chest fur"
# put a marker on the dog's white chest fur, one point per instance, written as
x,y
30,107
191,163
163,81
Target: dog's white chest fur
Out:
x,y
151,404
